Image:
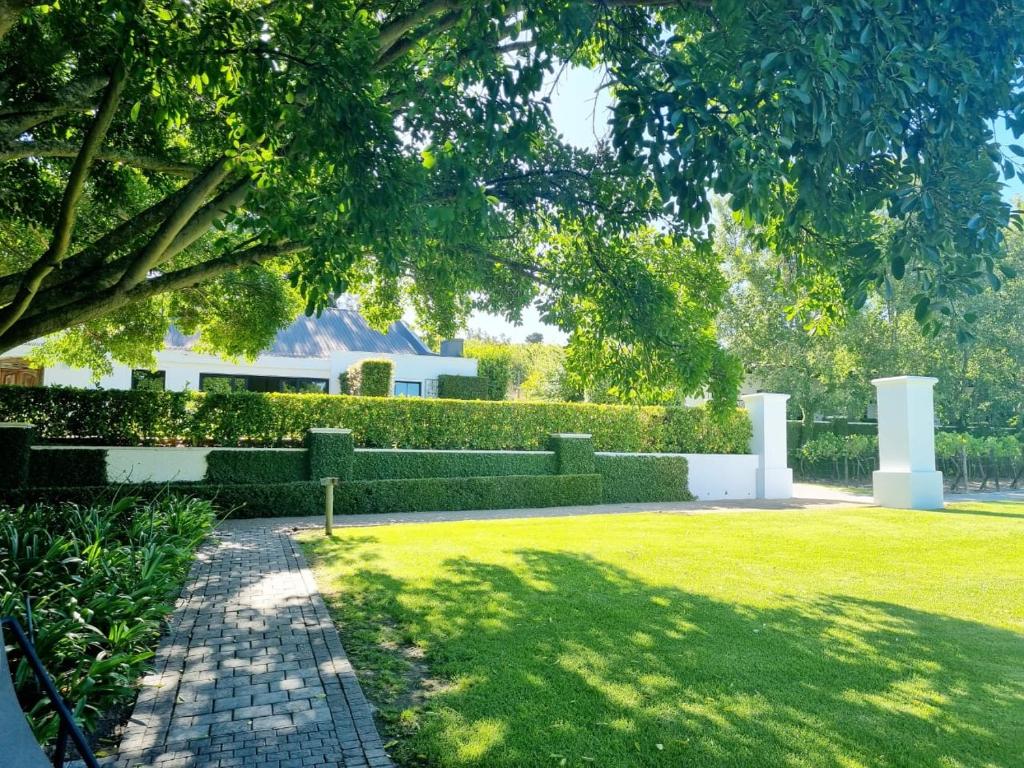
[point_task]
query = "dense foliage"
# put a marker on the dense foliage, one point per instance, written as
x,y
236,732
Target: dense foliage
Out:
x,y
115,417
99,580
174,162
452,387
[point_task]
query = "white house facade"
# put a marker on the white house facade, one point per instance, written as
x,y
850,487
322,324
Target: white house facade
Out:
x,y
308,356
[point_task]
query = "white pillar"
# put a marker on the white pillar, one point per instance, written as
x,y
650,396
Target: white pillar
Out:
x,y
768,417
906,478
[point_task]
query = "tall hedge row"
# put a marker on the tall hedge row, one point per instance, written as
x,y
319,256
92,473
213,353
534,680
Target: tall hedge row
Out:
x,y
117,417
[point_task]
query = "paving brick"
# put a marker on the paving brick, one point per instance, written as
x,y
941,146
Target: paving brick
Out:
x,y
251,672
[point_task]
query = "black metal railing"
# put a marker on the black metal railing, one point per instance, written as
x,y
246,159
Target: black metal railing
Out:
x,y
68,727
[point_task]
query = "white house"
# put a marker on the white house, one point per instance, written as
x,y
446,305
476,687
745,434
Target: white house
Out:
x,y
307,356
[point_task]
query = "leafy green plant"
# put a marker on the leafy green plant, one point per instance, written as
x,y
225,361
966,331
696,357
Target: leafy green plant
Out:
x,y
98,580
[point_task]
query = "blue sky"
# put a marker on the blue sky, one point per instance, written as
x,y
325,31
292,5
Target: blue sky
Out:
x,y
579,112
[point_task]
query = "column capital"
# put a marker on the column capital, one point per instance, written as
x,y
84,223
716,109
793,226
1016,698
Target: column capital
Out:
x,y
907,381
754,396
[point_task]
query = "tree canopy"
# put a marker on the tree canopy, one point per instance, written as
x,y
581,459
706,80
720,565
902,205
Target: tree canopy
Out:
x,y
219,164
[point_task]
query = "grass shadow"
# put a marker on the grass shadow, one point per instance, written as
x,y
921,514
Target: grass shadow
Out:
x,y
568,658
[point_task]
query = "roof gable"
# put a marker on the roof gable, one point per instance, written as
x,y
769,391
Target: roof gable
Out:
x,y
336,330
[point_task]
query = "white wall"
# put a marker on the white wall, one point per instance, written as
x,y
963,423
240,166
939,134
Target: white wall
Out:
x,y
183,369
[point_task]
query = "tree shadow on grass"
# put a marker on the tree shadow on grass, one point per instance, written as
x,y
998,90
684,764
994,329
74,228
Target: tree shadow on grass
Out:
x,y
960,510
567,657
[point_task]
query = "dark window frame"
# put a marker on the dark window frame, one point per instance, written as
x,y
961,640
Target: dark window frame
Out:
x,y
269,383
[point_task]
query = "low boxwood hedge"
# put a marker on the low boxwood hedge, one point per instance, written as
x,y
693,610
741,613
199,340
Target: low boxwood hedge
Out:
x,y
67,466
640,478
389,464
455,493
256,465
114,417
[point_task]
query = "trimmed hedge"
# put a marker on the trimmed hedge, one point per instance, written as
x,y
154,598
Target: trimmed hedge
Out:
x,y
67,466
255,465
369,378
387,464
330,453
453,387
455,493
15,454
115,417
643,478
574,454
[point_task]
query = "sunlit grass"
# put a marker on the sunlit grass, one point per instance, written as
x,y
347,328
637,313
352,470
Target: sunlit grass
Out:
x,y
850,638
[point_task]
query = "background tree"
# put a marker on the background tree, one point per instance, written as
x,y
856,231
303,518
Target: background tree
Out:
x,y
182,152
829,374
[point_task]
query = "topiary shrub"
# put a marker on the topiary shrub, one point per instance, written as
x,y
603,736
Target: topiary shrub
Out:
x,y
371,377
574,453
453,387
329,453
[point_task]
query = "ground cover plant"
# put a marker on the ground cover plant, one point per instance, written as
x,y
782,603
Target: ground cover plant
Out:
x,y
99,579
861,637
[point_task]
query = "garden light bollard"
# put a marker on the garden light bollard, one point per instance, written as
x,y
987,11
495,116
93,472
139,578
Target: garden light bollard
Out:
x,y
328,483
906,477
767,411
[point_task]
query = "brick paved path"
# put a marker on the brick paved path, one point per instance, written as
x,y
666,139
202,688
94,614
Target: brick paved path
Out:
x,y
252,672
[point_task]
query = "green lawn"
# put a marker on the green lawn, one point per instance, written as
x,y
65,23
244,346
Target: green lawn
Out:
x,y
848,638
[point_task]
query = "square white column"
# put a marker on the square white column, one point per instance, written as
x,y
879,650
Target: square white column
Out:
x,y
767,411
906,478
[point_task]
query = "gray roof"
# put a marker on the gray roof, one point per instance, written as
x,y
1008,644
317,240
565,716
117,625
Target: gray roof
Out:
x,y
336,330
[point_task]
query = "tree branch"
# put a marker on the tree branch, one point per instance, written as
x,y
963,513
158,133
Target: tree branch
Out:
x,y
76,96
115,297
393,31
69,204
406,44
197,193
22,149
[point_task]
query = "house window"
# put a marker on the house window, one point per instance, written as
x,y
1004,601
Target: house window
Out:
x,y
223,382
149,381
408,389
